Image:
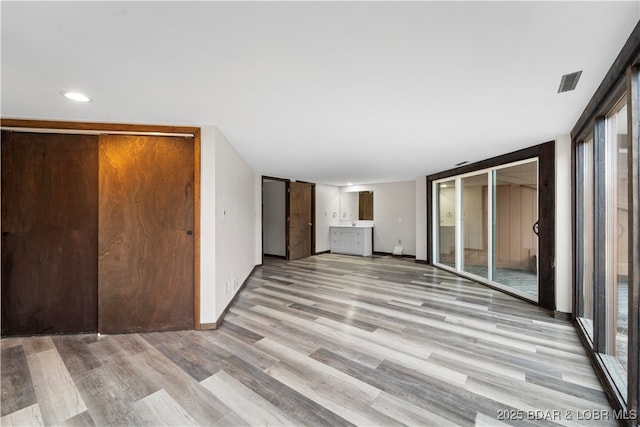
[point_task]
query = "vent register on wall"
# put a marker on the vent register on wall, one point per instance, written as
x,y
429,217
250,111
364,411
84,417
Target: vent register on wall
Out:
x,y
97,233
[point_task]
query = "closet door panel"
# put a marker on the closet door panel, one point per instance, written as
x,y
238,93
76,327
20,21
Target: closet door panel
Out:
x,y
145,265
49,233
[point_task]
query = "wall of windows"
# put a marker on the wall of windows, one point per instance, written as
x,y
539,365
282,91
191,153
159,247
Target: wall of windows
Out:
x,y
607,242
485,223
603,222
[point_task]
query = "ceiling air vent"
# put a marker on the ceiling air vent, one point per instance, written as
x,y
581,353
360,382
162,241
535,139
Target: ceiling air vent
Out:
x,y
569,81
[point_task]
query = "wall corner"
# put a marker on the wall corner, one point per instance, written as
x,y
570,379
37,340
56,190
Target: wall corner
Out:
x,y
564,235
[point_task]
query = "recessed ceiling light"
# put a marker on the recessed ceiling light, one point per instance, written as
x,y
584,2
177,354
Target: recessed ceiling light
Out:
x,y
349,183
75,96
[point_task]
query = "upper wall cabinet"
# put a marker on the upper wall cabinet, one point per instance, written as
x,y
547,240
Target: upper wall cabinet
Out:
x,y
356,206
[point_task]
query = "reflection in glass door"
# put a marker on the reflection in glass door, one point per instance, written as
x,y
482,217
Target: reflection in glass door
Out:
x,y
475,215
617,224
447,223
515,258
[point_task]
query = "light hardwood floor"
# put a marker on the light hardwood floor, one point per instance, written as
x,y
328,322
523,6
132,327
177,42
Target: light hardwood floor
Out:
x,y
328,340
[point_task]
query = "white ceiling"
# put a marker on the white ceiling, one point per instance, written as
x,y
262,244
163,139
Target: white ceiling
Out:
x,y
328,92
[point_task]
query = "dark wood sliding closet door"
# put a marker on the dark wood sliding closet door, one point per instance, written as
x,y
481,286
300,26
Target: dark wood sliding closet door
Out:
x,y
49,233
145,267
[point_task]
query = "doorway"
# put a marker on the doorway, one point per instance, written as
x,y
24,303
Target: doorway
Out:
x,y
275,210
288,218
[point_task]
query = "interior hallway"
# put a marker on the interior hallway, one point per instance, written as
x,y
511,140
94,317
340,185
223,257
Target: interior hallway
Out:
x,y
328,340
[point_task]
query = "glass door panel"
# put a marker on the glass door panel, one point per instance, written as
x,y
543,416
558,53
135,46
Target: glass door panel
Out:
x,y
515,255
475,213
446,242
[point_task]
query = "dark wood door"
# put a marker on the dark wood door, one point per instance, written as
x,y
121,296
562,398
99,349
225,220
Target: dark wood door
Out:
x,y
145,267
365,205
300,220
49,233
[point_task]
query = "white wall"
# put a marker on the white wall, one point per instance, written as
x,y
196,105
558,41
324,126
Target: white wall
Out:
x,y
394,215
563,261
421,218
327,212
274,205
207,224
258,220
229,224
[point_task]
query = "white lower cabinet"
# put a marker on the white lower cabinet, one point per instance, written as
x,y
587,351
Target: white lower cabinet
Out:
x,y
352,240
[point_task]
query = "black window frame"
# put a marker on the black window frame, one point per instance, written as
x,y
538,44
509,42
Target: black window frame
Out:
x,y
622,80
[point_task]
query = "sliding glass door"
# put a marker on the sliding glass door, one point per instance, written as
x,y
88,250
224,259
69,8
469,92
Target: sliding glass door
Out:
x,y
487,226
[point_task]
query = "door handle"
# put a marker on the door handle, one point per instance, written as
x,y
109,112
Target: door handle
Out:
x,y
310,223
536,227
